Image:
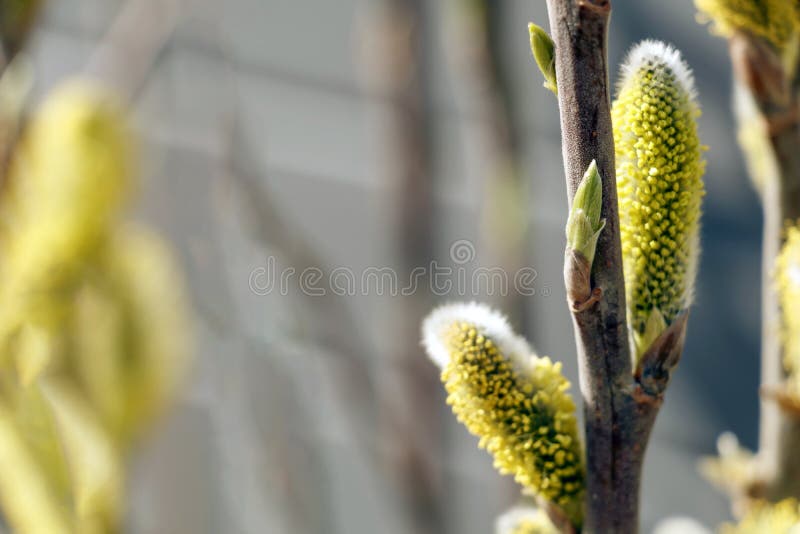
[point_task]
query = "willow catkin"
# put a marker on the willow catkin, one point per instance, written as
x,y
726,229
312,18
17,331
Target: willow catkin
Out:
x,y
92,318
516,402
659,186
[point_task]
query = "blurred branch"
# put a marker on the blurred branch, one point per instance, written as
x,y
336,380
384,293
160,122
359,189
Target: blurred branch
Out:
x,y
759,68
398,41
331,328
17,18
477,29
129,51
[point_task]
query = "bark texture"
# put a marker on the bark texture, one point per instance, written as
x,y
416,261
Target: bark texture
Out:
x,y
620,406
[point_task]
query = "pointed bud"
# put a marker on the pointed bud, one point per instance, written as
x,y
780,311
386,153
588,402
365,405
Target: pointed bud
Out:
x,y
653,326
525,520
659,186
584,224
544,52
514,401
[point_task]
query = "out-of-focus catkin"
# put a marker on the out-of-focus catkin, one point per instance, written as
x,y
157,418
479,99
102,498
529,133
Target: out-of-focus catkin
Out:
x,y
763,517
93,333
659,183
515,402
69,179
787,281
777,21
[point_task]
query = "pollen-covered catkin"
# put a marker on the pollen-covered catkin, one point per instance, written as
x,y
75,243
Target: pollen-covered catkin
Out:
x,y
514,401
777,21
659,185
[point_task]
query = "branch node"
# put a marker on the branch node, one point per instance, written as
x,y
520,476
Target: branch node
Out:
x,y
642,396
656,364
785,399
594,298
779,122
601,7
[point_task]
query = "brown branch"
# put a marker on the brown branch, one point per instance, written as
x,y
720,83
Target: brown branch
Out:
x,y
620,408
758,67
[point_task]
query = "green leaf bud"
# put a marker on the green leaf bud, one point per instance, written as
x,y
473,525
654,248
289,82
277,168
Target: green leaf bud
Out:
x,y
584,224
544,52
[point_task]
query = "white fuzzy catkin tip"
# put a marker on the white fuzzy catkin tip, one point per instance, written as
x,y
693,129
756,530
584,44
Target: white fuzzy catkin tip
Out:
x,y
658,53
488,322
509,520
680,525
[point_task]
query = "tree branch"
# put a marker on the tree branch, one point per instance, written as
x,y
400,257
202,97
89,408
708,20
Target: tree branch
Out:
x,y
758,67
620,408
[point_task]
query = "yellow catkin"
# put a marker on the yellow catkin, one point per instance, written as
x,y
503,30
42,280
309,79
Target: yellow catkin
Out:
x,y
764,517
92,318
787,281
519,407
131,369
777,21
659,185
69,179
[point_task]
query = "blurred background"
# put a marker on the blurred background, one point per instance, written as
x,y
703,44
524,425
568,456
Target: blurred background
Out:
x,y
303,157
